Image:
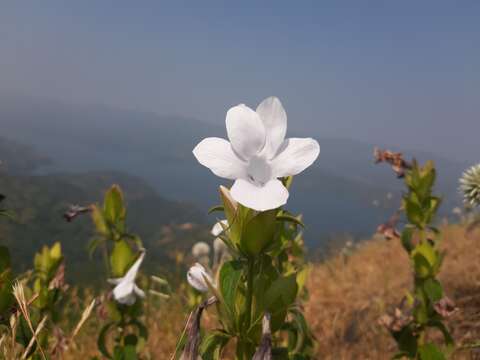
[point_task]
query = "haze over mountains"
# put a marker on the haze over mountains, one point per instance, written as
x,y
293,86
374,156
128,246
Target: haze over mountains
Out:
x,y
335,195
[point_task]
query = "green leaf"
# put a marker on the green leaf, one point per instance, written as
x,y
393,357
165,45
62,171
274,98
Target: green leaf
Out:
x,y
212,345
120,259
414,212
423,269
406,238
407,342
430,351
426,259
102,339
259,232
433,289
113,207
281,293
290,218
449,342
215,209
5,260
99,221
56,251
229,279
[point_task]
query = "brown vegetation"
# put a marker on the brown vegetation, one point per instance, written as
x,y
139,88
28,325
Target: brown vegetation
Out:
x,y
348,295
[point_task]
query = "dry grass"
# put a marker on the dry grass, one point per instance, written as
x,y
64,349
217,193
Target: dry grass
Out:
x,y
347,296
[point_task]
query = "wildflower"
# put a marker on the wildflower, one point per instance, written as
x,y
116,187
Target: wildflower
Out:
x,y
126,291
470,185
258,154
199,278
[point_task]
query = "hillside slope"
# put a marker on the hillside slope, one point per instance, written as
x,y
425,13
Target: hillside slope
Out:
x,y
40,201
348,295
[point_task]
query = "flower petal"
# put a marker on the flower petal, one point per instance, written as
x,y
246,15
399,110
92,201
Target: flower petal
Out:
x,y
217,229
261,198
139,292
115,281
245,131
274,119
123,291
295,156
217,155
128,300
132,272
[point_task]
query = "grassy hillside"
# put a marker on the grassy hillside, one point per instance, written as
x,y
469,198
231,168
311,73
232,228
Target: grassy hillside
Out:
x,y
40,201
347,297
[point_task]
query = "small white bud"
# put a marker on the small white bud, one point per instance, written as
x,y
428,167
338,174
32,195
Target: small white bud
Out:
x,y
197,277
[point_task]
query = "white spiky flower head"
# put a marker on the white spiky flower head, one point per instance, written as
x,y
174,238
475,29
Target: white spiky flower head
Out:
x,y
470,185
200,249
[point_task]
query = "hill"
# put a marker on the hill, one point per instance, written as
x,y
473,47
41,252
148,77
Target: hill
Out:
x,y
343,182
40,201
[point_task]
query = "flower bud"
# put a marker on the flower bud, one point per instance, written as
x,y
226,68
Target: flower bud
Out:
x,y
198,278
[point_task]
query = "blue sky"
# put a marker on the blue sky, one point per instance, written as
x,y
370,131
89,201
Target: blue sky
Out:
x,y
399,72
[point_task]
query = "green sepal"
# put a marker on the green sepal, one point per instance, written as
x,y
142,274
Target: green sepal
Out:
x,y
121,258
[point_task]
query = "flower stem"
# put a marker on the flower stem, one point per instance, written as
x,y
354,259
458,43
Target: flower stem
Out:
x,y
244,346
251,265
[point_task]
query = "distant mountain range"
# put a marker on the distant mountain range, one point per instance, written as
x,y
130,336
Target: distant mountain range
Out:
x,y
336,195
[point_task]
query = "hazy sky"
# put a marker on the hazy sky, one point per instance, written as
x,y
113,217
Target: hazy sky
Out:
x,y
400,72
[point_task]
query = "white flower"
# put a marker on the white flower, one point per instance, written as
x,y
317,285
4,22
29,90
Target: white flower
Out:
x,y
200,249
126,291
470,185
217,229
197,277
257,154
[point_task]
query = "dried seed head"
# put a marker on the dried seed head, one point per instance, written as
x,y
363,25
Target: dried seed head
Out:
x,y
470,186
397,321
75,210
395,159
445,307
388,229
58,281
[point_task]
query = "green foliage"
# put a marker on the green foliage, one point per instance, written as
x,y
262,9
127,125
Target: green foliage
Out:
x,y
39,201
420,240
266,275
127,331
6,296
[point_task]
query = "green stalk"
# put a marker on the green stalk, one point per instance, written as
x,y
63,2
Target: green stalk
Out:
x,y
251,265
244,351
